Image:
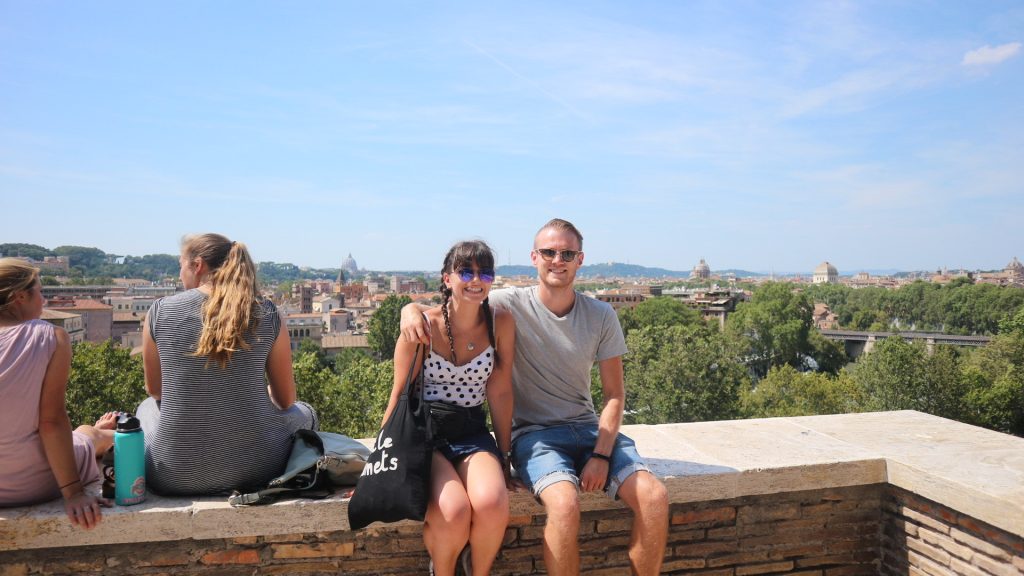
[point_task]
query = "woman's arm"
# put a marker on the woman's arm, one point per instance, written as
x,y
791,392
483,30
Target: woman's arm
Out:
x,y
499,385
281,379
151,360
55,433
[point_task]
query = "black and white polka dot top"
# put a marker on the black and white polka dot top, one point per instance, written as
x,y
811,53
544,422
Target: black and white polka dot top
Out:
x,y
464,385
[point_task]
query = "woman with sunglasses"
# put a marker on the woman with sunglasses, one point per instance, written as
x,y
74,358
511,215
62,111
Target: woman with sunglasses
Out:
x,y
469,360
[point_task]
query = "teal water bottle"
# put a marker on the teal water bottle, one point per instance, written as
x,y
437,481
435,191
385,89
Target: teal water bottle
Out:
x,y
129,462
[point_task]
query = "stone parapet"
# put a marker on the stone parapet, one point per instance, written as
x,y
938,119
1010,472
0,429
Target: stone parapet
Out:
x,y
810,495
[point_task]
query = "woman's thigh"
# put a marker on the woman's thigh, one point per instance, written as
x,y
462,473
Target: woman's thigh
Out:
x,y
448,498
484,479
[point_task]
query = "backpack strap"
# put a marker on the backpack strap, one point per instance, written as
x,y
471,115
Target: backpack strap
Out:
x,y
269,495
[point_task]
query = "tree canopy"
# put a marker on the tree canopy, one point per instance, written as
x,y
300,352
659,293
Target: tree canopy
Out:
x,y
384,326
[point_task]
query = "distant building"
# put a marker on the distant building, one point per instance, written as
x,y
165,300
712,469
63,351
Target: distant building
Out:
x,y
1015,272
71,323
352,293
701,271
712,304
335,343
1011,275
404,285
825,273
304,294
304,327
620,299
348,265
325,304
337,320
97,317
126,328
824,318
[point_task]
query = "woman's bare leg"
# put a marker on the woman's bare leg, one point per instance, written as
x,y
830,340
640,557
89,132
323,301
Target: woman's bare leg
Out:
x,y
485,485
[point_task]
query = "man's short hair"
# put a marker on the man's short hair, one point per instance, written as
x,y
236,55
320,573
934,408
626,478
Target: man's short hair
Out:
x,y
562,226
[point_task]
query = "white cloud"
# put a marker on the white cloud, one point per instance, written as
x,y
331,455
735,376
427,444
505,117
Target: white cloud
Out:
x,y
987,55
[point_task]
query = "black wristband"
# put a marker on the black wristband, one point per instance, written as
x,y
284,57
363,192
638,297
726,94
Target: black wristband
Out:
x,y
600,456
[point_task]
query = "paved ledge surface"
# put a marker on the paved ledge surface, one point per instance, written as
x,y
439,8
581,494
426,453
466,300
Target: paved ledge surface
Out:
x,y
975,471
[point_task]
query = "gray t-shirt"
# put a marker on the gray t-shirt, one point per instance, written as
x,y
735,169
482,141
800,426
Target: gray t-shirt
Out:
x,y
554,356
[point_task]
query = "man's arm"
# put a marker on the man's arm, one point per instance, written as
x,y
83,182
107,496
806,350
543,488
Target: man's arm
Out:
x,y
414,325
595,471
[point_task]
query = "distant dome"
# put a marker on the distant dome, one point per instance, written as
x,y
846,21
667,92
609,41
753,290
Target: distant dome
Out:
x,y
826,268
1015,266
701,270
826,273
349,264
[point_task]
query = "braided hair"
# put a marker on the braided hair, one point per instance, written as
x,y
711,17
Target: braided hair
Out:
x,y
462,255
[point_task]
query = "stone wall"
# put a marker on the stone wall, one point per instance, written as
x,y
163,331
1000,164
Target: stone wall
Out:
x,y
822,532
924,537
884,493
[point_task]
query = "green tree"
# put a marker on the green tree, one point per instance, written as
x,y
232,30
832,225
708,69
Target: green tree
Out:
x,y
103,377
829,355
32,251
384,326
776,323
86,259
682,374
1013,323
363,395
309,346
658,311
901,375
994,377
788,392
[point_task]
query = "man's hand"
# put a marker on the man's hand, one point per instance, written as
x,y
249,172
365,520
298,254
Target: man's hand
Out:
x,y
594,476
415,327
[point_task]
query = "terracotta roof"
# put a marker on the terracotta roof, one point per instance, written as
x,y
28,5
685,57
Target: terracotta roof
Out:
x,y
80,304
49,314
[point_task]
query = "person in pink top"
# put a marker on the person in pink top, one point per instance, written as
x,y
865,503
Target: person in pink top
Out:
x,y
41,458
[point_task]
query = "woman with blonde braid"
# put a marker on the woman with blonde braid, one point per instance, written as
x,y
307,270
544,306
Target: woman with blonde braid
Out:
x,y
41,458
469,360
217,360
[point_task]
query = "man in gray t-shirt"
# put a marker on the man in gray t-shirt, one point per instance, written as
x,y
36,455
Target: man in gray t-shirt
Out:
x,y
561,444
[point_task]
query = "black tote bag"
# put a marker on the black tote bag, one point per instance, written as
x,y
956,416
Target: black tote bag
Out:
x,y
395,483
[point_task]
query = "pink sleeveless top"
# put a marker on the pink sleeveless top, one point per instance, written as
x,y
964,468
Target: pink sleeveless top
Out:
x,y
25,476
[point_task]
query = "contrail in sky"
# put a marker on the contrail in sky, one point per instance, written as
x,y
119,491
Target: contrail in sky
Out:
x,y
535,85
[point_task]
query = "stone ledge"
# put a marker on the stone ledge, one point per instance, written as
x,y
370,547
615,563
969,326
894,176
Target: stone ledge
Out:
x,y
975,471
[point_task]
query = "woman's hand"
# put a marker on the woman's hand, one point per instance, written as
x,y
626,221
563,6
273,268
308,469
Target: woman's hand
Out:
x,y
84,509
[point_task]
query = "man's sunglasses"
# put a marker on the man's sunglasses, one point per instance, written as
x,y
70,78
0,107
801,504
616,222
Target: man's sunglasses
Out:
x,y
548,254
486,275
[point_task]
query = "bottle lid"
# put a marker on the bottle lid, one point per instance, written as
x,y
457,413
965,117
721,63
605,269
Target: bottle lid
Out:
x,y
128,423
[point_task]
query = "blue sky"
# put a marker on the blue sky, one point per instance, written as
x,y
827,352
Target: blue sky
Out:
x,y
763,135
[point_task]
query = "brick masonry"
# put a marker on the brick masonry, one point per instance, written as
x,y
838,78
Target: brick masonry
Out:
x,y
821,532
865,530
922,537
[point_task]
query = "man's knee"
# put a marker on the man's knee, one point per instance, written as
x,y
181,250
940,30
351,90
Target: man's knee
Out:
x,y
561,500
645,493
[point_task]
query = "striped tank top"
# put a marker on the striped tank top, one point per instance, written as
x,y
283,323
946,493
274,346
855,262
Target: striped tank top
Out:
x,y
218,430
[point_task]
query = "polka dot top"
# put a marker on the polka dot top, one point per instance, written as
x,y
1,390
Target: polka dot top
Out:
x,y
463,385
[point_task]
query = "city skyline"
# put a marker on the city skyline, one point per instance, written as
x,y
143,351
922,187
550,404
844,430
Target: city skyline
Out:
x,y
757,136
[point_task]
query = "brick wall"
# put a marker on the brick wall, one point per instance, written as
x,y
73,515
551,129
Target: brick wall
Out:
x,y
923,537
831,532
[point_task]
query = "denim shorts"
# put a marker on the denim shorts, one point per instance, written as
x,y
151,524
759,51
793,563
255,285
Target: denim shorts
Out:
x,y
558,453
455,450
